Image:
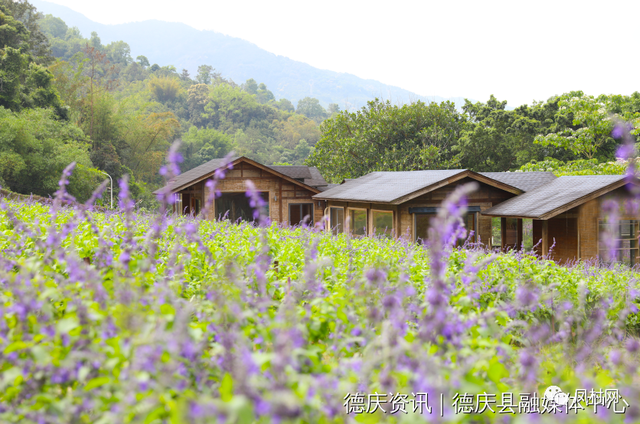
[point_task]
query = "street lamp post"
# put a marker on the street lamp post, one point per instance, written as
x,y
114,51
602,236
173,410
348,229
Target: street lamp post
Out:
x,y
111,191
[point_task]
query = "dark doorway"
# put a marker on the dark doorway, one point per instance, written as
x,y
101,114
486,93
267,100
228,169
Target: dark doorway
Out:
x,y
298,212
235,206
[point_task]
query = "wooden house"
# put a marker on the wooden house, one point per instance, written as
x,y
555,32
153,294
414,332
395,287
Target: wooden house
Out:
x,y
561,216
403,203
286,190
567,215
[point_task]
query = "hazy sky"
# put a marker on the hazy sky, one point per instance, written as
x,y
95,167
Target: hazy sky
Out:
x,y
518,50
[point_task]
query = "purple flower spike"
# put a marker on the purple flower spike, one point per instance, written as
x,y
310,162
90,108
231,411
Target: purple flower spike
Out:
x,y
618,131
257,203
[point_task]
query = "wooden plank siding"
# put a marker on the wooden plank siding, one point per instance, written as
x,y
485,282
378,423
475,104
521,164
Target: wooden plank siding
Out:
x,y
281,192
485,197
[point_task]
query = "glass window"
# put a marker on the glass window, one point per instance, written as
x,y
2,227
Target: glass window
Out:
x,y
496,232
527,233
626,250
358,222
178,198
469,220
301,213
382,223
336,220
236,207
422,223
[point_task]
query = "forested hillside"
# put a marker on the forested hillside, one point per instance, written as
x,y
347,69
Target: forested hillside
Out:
x,y
77,99
186,47
66,99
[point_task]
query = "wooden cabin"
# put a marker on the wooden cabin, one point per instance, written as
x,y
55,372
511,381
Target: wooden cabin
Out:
x,y
567,215
561,216
286,190
403,203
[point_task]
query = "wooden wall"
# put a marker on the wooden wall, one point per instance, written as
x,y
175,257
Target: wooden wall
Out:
x,y
281,192
576,231
485,197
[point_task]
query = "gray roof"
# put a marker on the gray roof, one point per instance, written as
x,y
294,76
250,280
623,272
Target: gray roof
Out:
x,y
555,197
386,187
525,181
309,175
316,179
293,171
195,174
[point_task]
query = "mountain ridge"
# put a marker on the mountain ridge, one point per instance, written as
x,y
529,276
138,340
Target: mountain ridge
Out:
x,y
164,43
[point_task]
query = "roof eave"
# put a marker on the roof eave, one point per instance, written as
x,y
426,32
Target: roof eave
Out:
x,y
457,177
569,205
235,162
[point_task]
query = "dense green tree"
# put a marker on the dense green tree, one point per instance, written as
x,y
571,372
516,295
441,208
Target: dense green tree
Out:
x,y
35,147
312,109
53,27
285,105
142,61
250,86
28,16
385,137
263,95
164,89
201,145
205,74
25,83
591,122
119,53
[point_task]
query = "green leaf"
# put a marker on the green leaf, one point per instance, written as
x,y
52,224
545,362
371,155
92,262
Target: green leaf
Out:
x,y
226,387
96,382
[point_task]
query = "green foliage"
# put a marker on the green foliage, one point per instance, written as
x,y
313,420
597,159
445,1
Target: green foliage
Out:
x,y
34,149
295,318
384,137
201,145
25,13
576,167
592,121
312,109
24,82
164,89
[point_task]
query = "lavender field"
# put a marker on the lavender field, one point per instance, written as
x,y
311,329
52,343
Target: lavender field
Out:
x,y
133,317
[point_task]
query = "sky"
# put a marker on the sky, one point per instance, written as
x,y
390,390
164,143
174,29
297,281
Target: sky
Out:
x,y
518,50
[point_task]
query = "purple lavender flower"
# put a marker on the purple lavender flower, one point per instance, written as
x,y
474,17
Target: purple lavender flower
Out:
x,y
257,203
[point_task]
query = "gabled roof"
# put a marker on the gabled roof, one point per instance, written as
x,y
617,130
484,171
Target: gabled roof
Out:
x,y
194,175
293,171
525,181
317,180
207,170
556,197
400,186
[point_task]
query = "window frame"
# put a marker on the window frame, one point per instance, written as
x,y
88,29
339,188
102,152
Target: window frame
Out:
x,y
331,226
371,230
178,203
311,221
636,237
350,229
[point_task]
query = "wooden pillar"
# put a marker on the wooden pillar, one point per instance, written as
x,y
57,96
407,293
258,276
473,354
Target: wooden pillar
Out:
x,y
519,235
280,218
503,234
545,238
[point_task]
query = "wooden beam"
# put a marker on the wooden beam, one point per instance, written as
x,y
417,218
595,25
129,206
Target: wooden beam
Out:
x,y
280,201
545,238
519,237
503,234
